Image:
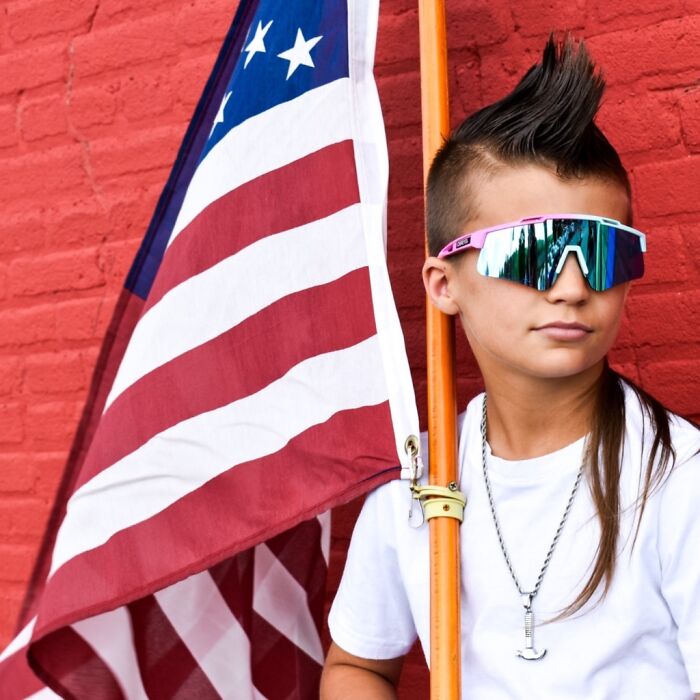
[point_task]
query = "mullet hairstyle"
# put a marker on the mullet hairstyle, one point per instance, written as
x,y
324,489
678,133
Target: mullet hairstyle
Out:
x,y
548,120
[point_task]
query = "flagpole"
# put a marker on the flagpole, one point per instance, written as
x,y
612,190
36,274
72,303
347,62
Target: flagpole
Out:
x,y
445,652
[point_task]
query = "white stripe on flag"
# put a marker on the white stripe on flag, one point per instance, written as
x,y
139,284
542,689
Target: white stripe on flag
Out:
x,y
111,638
182,458
260,144
281,600
325,520
21,640
214,636
193,313
44,694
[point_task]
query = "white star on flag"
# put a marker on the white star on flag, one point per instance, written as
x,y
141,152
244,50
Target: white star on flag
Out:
x,y
258,43
299,54
220,114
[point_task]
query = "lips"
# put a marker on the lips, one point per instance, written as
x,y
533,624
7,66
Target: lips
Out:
x,y
566,326
564,332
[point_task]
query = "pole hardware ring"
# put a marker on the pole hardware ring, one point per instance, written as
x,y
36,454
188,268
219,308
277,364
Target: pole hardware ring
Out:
x,y
440,501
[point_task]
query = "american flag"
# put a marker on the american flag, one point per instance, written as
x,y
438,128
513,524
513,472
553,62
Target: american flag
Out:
x,y
253,376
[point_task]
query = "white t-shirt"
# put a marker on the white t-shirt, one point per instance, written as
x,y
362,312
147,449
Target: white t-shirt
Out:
x,y
641,642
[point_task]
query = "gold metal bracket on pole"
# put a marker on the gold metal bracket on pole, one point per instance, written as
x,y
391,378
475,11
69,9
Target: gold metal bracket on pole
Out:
x,y
440,501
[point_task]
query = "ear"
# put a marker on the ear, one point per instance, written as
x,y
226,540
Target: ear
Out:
x,y
437,279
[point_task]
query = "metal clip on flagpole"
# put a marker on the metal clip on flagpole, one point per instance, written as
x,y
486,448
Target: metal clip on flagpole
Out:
x,y
440,501
445,624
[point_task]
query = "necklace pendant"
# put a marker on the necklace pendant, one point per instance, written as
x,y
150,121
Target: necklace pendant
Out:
x,y
529,653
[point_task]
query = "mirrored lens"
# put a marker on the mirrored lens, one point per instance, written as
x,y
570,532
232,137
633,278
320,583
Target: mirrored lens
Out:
x,y
530,254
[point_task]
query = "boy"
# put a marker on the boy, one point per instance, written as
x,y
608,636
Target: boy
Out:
x,y
540,322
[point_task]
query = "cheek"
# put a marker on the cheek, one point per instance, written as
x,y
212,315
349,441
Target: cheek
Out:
x,y
496,312
611,305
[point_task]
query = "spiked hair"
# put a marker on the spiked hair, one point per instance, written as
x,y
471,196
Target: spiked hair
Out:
x,y
547,119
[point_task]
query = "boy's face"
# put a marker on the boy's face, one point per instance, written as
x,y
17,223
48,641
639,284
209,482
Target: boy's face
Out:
x,y
508,325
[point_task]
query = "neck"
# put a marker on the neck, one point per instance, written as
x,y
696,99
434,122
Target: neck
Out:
x,y
530,416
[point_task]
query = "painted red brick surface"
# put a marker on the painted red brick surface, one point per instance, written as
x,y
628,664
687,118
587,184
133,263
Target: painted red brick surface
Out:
x,y
95,96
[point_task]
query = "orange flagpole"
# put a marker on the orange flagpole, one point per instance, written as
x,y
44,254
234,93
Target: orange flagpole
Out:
x,y
445,648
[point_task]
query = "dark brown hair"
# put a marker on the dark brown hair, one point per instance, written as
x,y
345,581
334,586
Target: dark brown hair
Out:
x,y
548,119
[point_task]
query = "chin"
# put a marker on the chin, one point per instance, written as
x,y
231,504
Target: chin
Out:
x,y
563,367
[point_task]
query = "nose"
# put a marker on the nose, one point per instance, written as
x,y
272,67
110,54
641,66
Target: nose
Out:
x,y
571,285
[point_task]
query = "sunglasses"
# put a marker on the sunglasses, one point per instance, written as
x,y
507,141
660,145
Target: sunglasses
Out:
x,y
533,251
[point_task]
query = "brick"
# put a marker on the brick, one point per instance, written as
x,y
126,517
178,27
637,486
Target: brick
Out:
x,y
479,23
48,468
70,270
666,48
23,232
406,173
503,65
57,372
77,224
130,210
142,96
41,175
51,426
397,38
189,80
10,367
43,117
16,474
92,106
8,127
11,422
40,65
669,187
145,40
662,318
30,19
611,15
534,17
139,151
116,259
638,123
25,326
17,562
666,259
689,104
109,9
203,23
22,519
675,383
405,224
465,89
77,319
400,95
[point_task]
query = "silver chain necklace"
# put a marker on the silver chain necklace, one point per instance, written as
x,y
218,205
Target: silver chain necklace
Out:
x,y
526,597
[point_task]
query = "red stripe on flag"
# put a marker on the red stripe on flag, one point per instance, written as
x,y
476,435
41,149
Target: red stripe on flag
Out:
x,y
17,680
234,578
299,551
168,669
306,190
168,547
281,670
311,322
73,667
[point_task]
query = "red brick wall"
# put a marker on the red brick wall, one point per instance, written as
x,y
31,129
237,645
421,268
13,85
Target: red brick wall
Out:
x,y
95,96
